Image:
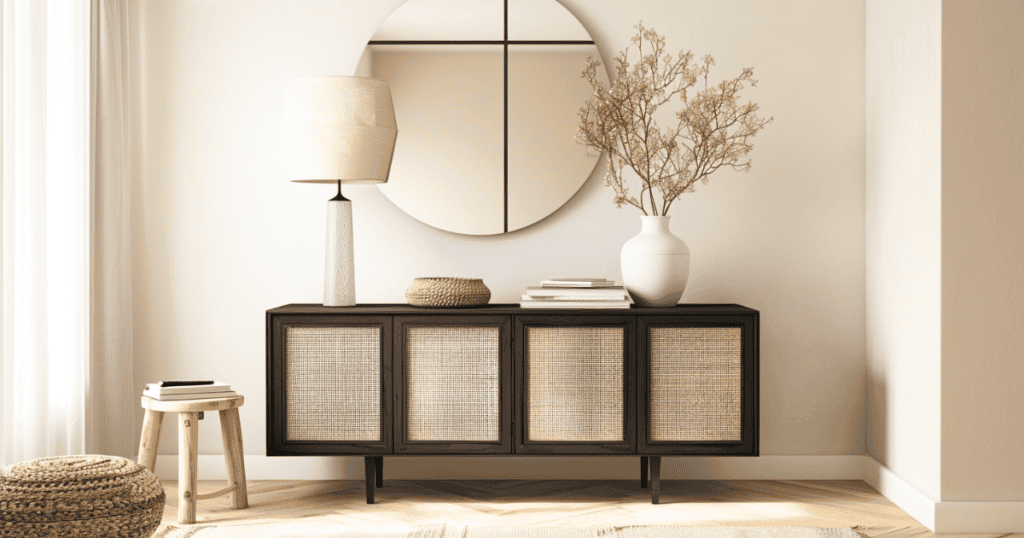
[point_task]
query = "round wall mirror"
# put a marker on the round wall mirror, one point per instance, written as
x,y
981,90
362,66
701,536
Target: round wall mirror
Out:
x,y
486,95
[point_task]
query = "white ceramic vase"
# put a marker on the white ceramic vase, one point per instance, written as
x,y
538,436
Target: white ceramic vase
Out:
x,y
655,264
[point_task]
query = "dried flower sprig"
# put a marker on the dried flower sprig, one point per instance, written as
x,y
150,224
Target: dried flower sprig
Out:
x,y
714,128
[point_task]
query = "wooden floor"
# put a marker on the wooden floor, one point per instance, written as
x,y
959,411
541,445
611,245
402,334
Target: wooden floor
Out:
x,y
402,504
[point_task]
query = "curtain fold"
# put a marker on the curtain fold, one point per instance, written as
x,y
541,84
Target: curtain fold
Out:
x,y
114,401
65,289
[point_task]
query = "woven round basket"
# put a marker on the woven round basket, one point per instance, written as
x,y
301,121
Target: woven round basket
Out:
x,y
80,496
448,291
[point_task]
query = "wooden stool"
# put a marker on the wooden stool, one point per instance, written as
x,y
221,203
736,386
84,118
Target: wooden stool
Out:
x,y
190,412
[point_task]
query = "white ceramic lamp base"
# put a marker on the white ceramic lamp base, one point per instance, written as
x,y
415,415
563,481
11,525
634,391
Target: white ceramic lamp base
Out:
x,y
339,269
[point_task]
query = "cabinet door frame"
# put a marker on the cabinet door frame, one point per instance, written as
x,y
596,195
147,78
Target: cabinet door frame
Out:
x,y
504,445
277,398
628,443
748,445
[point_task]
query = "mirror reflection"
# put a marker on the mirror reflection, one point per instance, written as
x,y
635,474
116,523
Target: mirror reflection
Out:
x,y
486,126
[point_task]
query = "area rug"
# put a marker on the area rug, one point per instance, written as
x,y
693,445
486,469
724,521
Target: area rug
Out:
x,y
319,529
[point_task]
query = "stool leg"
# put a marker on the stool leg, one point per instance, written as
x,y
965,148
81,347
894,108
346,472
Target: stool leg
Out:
x,y
188,455
234,456
150,438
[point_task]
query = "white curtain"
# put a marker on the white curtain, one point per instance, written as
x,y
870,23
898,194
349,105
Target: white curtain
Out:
x,y
61,173
115,401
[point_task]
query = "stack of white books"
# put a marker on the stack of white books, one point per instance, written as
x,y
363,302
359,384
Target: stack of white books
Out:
x,y
576,293
188,390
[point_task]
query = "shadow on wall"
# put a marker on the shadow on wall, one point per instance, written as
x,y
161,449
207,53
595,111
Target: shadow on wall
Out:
x,y
876,399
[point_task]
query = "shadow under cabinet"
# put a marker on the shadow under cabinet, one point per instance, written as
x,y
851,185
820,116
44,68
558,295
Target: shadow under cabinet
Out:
x,y
376,380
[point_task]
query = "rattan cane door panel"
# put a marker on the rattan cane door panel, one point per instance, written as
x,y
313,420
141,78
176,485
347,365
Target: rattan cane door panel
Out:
x,y
330,385
695,384
698,387
576,388
454,383
574,377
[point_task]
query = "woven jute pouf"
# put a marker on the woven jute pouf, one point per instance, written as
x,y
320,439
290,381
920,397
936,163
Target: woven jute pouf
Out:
x,y
80,496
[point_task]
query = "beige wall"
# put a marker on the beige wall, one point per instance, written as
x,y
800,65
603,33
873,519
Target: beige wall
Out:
x,y
220,237
903,236
945,245
982,250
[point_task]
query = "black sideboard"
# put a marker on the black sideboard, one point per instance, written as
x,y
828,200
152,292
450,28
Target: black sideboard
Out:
x,y
388,379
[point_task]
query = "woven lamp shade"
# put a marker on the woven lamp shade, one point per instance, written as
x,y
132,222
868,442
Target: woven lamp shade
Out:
x,y
80,496
338,129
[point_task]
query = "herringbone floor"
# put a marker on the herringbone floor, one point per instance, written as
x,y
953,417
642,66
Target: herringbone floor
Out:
x,y
405,503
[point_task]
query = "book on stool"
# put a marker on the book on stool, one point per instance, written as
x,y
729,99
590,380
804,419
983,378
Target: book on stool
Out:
x,y
188,390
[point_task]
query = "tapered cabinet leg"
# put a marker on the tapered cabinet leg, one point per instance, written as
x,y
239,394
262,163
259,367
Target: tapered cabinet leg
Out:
x,y
643,472
188,456
379,464
150,439
655,479
369,462
234,456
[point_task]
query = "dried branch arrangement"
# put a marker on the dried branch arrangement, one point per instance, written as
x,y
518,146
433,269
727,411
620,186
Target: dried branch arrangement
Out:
x,y
714,128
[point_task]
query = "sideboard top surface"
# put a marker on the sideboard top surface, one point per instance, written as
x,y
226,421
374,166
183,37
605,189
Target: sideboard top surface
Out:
x,y
513,309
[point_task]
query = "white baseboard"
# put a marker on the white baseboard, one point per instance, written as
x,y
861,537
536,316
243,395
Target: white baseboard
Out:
x,y
260,467
940,517
944,516
913,501
763,468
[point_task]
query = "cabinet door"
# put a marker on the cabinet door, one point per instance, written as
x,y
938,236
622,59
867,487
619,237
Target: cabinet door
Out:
x,y
698,385
453,384
574,385
329,385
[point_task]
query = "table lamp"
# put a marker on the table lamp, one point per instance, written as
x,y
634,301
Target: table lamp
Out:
x,y
338,129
